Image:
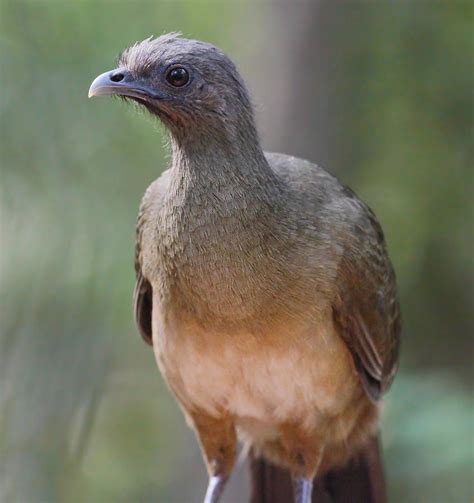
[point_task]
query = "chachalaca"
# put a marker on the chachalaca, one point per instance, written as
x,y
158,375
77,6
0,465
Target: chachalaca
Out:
x,y
263,283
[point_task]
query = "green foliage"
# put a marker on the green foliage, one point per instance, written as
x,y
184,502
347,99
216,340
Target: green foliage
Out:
x,y
427,439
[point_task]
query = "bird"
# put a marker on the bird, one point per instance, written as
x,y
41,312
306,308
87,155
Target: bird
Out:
x,y
263,284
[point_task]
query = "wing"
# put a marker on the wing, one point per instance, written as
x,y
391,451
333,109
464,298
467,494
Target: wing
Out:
x,y
366,310
143,307
143,293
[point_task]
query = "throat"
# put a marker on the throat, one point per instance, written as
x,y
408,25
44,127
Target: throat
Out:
x,y
221,177
219,218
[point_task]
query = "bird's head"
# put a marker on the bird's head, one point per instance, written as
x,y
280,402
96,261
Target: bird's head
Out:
x,y
189,85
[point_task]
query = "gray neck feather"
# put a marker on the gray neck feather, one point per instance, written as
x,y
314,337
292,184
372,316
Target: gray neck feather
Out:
x,y
222,212
226,165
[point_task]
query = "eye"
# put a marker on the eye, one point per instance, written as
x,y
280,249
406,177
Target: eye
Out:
x,y
177,76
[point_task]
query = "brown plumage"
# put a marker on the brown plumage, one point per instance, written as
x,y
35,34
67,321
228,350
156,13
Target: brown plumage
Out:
x,y
358,481
263,283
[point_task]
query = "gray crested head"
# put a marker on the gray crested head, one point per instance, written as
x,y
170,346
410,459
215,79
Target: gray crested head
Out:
x,y
192,86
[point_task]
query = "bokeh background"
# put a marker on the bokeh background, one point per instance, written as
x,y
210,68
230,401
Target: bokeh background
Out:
x,y
379,93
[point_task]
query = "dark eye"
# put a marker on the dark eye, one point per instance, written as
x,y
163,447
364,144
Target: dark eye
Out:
x,y
178,76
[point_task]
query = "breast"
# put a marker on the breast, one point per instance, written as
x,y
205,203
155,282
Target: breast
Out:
x,y
300,371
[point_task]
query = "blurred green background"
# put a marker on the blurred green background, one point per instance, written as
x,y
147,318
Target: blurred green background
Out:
x,y
379,93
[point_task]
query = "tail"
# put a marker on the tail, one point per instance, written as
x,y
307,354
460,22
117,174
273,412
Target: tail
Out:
x,y
360,481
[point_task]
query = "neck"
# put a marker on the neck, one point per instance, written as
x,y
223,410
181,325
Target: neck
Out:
x,y
223,205
222,162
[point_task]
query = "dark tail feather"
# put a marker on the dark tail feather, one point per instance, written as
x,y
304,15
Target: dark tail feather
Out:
x,y
360,481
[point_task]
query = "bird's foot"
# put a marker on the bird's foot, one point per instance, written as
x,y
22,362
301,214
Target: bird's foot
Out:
x,y
303,489
215,488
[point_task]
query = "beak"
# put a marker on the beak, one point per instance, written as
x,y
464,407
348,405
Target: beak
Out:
x,y
121,82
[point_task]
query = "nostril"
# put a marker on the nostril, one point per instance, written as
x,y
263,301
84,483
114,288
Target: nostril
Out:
x,y
117,77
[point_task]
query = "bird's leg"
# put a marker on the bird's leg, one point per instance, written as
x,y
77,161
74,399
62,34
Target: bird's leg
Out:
x,y
218,444
303,489
215,488
303,452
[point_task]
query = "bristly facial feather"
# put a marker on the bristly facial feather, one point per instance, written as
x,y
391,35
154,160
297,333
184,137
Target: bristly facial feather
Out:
x,y
215,95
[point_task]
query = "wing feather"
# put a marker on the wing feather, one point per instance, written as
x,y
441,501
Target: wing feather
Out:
x,y
366,310
143,292
143,308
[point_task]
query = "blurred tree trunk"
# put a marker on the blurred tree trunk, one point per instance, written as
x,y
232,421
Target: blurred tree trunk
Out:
x,y
299,116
